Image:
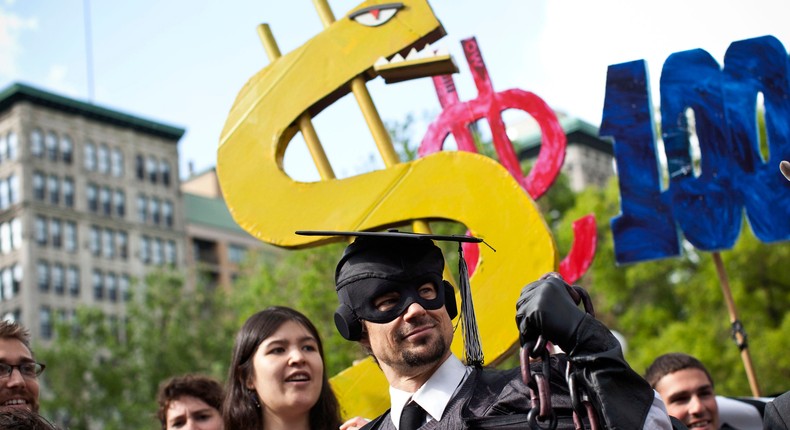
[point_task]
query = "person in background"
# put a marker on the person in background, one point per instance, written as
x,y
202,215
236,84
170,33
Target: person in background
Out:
x,y
687,389
277,378
190,402
19,370
777,412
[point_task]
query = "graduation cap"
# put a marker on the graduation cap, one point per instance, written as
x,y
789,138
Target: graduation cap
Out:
x,y
380,262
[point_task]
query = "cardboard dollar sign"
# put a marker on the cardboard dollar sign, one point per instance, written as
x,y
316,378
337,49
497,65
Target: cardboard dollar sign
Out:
x,y
270,205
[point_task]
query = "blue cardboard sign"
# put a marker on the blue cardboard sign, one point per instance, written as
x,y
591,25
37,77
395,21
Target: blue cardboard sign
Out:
x,y
733,176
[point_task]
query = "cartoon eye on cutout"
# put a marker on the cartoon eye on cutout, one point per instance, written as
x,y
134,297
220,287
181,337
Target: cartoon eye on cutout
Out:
x,y
374,16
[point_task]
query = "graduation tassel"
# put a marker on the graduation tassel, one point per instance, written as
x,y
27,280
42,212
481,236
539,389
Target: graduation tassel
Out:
x,y
472,347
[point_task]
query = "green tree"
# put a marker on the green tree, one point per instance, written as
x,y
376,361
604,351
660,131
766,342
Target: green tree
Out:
x,y
676,304
303,280
108,373
105,372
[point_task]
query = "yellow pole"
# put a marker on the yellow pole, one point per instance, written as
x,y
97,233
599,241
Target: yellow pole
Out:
x,y
740,337
304,122
373,119
365,102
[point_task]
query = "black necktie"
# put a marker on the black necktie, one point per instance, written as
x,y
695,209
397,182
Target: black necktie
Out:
x,y
412,417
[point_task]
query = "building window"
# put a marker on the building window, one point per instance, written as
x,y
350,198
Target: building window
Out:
x,y
116,162
58,284
70,236
170,252
53,186
16,272
5,238
95,240
42,273
98,285
13,190
45,318
167,212
52,146
4,194
139,167
103,156
120,203
236,253
8,194
16,233
91,194
8,283
157,253
124,284
111,282
108,245
13,146
164,170
151,166
38,186
36,143
106,202
145,249
41,230
90,156
66,149
55,226
154,210
123,245
73,281
141,208
68,192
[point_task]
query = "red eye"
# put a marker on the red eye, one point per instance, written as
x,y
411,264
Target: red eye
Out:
x,y
374,16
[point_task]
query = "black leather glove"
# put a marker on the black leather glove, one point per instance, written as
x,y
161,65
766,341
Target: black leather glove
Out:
x,y
545,307
621,397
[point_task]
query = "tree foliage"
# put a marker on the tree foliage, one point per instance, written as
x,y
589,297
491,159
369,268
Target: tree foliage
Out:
x,y
676,304
106,374
303,280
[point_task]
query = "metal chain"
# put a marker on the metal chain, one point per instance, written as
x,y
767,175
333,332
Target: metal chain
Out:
x,y
541,415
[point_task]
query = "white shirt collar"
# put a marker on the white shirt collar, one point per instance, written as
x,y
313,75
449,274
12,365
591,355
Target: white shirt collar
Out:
x,y
435,394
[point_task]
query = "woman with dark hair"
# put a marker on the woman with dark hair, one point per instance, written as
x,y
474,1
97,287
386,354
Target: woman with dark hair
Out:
x,y
190,402
277,377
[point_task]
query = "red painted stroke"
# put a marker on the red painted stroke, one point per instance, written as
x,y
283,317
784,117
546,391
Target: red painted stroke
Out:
x,y
582,253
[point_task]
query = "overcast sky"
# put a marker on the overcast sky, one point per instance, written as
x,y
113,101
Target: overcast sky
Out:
x,y
183,62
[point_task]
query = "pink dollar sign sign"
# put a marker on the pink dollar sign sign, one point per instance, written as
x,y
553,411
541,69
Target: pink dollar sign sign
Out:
x,y
457,116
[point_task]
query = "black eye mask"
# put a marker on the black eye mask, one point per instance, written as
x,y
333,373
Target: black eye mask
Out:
x,y
362,294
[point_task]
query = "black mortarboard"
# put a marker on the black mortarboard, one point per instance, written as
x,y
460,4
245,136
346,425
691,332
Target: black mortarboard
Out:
x,y
377,262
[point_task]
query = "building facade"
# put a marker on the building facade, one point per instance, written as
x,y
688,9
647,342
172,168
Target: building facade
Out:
x,y
589,160
217,246
89,203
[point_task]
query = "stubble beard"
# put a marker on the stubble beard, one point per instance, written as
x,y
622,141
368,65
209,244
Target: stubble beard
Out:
x,y
418,357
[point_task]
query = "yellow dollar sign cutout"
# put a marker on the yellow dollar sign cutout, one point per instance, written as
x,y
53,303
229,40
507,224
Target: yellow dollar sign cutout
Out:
x,y
459,186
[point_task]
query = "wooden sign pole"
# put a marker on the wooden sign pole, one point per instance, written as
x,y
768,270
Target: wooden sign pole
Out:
x,y
738,333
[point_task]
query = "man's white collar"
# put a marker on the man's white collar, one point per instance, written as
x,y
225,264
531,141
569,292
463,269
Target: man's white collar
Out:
x,y
435,394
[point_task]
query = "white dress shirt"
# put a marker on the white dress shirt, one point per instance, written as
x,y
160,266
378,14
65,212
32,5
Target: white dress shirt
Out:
x,y
435,394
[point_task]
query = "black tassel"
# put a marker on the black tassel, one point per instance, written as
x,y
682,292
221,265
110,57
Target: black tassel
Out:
x,y
472,346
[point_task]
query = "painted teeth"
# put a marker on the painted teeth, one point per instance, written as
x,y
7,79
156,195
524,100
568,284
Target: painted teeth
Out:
x,y
414,54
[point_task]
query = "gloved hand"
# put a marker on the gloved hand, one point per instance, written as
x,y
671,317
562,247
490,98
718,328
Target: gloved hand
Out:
x,y
545,307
